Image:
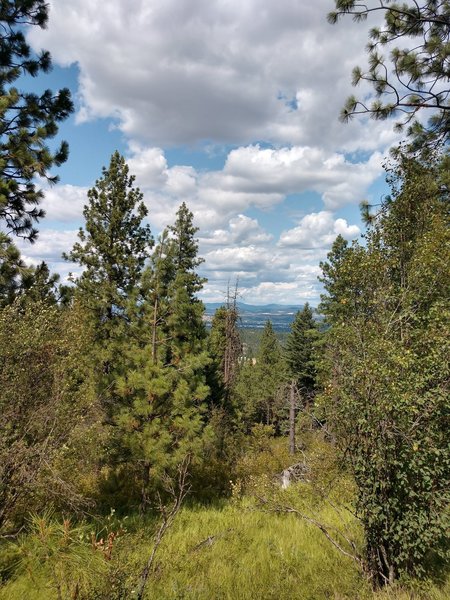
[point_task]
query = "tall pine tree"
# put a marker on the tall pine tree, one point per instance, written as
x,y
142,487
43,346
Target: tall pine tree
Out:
x,y
112,250
300,352
27,120
164,392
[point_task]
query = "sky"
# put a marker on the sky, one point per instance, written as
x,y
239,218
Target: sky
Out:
x,y
230,106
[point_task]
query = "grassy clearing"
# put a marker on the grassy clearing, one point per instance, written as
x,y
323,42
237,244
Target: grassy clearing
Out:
x,y
230,553
229,550
224,552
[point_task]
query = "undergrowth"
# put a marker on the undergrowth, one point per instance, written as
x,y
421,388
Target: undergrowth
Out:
x,y
240,548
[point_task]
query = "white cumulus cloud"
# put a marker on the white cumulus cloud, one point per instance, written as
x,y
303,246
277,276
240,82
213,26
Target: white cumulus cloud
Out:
x,y
318,230
212,70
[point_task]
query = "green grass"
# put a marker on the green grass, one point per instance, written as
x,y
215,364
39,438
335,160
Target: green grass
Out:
x,y
251,555
224,552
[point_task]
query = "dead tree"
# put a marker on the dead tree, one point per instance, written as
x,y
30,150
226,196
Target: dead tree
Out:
x,y
233,344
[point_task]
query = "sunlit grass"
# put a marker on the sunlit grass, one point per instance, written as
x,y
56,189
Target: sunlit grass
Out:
x,y
228,551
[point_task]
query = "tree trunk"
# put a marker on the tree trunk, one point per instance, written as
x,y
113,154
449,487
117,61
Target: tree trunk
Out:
x,y
155,317
292,419
144,489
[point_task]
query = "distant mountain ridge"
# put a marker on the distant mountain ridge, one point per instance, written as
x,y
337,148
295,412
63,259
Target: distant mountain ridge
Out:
x,y
255,316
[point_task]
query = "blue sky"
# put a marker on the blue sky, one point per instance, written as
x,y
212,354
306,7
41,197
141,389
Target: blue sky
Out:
x,y
229,106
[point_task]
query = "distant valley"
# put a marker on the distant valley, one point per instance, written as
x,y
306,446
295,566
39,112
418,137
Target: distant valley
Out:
x,y
254,317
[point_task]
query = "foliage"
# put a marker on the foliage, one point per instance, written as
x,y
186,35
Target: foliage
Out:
x,y
114,246
61,556
223,550
269,374
300,351
225,347
17,280
262,458
112,250
163,392
27,120
12,268
387,387
46,402
412,78
258,392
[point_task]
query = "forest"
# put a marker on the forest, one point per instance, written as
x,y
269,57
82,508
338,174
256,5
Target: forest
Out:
x,y
144,454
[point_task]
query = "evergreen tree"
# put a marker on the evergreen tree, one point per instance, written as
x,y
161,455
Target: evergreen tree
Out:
x,y
11,269
17,280
27,120
164,392
300,352
112,250
185,320
269,373
412,79
225,344
340,287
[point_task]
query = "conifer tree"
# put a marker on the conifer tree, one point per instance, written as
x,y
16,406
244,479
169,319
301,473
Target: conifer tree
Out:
x,y
112,249
185,321
269,375
11,269
27,120
164,392
336,282
225,341
30,283
299,352
407,79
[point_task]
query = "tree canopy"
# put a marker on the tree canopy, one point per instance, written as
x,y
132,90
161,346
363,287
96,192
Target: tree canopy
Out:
x,y
386,394
410,78
27,120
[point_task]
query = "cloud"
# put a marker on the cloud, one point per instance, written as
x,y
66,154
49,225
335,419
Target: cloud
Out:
x,y
64,203
233,243
317,230
301,168
252,178
50,245
226,72
241,229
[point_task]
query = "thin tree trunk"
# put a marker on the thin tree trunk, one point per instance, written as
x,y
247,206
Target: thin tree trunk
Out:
x,y
292,418
144,488
155,316
178,491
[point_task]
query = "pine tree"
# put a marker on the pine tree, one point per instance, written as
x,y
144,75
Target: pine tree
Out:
x,y
300,352
112,250
11,269
269,372
334,279
30,283
164,392
27,120
225,349
406,80
185,321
